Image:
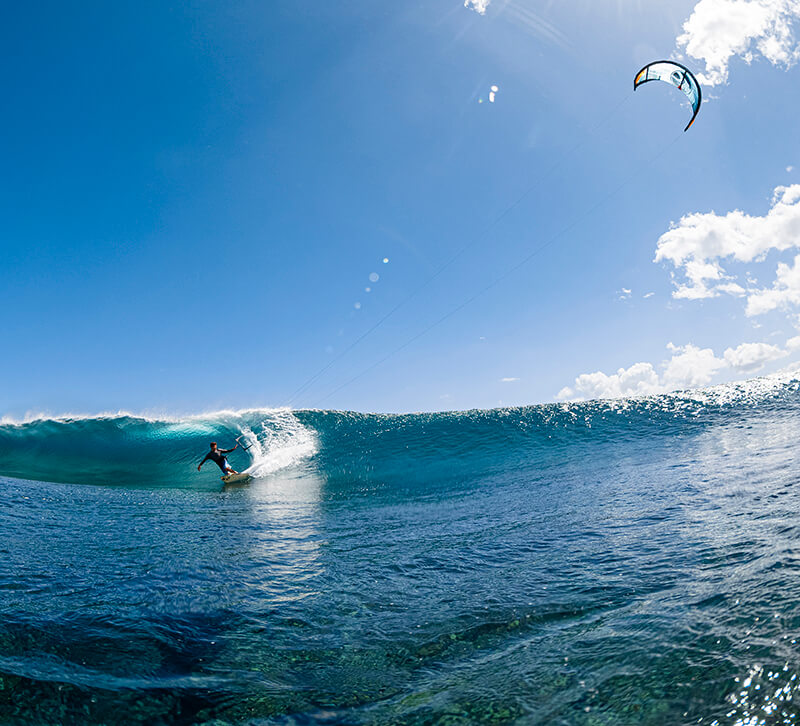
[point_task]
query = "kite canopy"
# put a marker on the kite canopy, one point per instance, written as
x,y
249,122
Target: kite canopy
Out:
x,y
676,74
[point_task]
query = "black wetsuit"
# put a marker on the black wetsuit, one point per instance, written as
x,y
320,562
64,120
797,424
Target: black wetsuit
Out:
x,y
218,458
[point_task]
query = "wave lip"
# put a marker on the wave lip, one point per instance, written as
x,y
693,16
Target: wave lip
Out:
x,y
216,415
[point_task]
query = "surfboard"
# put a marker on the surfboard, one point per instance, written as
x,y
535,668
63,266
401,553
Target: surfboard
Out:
x,y
230,478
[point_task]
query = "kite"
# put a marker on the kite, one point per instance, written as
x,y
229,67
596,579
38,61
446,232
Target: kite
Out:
x,y
676,74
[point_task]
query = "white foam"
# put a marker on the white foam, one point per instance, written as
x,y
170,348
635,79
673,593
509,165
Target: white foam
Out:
x,y
751,390
282,442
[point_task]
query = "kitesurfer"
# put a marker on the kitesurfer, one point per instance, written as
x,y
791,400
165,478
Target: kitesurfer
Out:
x,y
218,457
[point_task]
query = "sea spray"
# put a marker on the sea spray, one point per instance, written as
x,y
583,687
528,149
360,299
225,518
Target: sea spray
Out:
x,y
278,442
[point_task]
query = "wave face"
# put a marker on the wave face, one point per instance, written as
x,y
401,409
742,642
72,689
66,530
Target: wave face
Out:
x,y
610,562
134,451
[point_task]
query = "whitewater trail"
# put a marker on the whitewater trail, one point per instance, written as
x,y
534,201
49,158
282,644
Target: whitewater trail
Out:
x,y
279,442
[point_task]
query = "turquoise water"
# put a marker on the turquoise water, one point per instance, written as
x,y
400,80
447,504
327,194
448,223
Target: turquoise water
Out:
x,y
629,562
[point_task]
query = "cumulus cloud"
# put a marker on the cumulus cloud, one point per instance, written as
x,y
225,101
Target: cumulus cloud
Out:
x,y
688,366
752,357
479,6
719,30
639,380
699,243
785,291
509,380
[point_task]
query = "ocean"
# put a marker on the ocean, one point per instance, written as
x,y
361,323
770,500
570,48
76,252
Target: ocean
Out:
x,y
612,562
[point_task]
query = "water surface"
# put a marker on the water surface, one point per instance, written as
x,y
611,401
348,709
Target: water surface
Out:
x,y
630,562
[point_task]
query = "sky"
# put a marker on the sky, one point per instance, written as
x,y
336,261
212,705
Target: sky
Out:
x,y
393,206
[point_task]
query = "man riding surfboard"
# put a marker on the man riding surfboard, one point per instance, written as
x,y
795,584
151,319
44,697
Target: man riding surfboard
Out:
x,y
218,457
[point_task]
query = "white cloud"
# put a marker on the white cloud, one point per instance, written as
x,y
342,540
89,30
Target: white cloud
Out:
x,y
793,343
689,366
509,380
752,357
790,169
479,6
785,291
648,294
638,380
699,243
719,30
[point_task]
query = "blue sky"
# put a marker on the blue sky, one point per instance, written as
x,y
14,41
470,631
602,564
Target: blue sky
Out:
x,y
195,196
